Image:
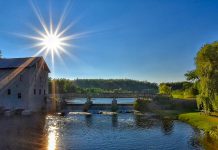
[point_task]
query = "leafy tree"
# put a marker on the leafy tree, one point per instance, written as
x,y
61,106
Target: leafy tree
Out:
x,y
164,89
141,104
190,92
179,85
192,76
207,71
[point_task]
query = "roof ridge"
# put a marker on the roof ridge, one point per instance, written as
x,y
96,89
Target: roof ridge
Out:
x,y
23,57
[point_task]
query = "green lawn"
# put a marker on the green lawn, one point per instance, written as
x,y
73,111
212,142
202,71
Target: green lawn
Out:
x,y
200,120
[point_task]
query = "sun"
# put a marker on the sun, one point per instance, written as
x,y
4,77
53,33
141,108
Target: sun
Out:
x,y
52,42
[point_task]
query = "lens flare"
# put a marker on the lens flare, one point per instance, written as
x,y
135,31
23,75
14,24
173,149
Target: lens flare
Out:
x,y
53,39
51,42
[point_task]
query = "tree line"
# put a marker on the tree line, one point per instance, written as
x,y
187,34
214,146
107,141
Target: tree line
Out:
x,y
86,86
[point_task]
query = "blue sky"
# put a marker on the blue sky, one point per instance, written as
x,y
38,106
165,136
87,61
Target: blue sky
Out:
x,y
151,40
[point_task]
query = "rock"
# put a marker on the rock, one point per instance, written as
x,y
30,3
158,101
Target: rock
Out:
x,y
79,113
109,113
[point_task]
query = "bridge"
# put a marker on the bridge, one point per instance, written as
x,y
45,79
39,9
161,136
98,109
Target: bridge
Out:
x,y
63,104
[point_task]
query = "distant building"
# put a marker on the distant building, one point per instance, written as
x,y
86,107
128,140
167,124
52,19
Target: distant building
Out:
x,y
23,83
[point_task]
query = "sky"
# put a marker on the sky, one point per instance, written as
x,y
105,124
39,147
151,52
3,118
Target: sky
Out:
x,y
152,40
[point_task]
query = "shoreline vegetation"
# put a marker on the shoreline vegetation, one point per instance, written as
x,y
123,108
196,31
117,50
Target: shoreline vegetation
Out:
x,y
185,111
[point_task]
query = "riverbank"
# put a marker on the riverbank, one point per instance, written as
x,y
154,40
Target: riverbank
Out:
x,y
186,110
207,123
202,121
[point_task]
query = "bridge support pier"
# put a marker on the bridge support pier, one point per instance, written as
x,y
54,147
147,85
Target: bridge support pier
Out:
x,y
114,106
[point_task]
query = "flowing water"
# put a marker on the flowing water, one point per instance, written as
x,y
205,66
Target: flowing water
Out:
x,y
97,132
122,131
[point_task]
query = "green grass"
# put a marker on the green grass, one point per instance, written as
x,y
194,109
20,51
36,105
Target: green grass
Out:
x,y
200,120
179,96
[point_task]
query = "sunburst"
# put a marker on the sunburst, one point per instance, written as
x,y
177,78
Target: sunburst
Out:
x,y
52,39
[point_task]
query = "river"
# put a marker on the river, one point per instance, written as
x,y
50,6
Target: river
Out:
x,y
96,132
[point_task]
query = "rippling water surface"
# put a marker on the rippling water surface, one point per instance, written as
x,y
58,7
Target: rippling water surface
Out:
x,y
97,132
122,131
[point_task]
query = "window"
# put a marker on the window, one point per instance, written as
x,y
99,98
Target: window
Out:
x,y
9,91
21,77
19,95
40,92
44,92
34,91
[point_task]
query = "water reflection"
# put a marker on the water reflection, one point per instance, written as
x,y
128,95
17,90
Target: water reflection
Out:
x,y
52,138
53,123
88,119
84,132
21,133
167,126
143,121
114,120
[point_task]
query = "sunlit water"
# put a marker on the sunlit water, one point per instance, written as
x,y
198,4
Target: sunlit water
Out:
x,y
123,131
96,132
102,100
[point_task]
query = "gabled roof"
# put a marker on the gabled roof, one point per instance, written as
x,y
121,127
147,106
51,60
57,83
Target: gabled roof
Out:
x,y
12,63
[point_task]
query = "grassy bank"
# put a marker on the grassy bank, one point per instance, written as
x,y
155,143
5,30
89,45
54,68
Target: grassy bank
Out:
x,y
200,120
205,122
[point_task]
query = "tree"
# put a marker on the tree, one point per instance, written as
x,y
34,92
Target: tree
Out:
x,y
207,71
164,89
192,76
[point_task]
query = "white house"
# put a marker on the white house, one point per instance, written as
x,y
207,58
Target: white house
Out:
x,y
23,83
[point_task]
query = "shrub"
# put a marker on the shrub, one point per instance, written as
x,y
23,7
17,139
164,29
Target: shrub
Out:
x,y
141,104
178,94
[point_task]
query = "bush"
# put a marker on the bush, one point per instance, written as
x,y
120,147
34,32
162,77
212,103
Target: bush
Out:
x,y
178,94
190,93
141,104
